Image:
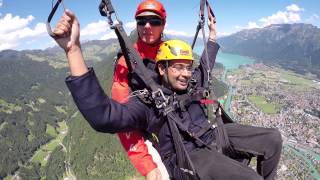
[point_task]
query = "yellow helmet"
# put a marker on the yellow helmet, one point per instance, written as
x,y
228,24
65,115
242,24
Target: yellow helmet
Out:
x,y
173,50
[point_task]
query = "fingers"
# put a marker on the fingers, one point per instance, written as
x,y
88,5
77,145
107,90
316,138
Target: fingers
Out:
x,y
155,174
212,19
63,27
212,28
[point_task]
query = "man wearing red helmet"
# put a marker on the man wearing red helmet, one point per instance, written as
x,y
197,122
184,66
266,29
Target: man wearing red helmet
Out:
x,y
151,18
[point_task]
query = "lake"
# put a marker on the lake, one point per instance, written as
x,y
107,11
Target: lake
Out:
x,y
229,61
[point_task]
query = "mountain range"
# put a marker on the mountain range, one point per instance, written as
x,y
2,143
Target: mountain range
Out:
x,y
292,46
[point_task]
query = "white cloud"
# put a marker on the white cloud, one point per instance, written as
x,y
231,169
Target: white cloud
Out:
x,y
40,29
312,19
109,35
292,14
281,17
222,34
11,23
95,28
250,25
294,8
14,30
130,25
4,46
177,33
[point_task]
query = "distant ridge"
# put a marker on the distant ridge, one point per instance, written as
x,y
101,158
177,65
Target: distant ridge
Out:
x,y
293,46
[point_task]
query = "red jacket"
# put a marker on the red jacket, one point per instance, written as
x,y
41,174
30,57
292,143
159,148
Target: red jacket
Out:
x,y
133,142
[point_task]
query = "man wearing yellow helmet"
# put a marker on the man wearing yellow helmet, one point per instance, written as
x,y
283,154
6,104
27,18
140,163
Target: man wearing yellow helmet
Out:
x,y
174,65
175,61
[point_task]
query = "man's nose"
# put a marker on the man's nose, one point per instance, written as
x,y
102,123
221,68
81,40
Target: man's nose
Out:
x,y
186,72
148,25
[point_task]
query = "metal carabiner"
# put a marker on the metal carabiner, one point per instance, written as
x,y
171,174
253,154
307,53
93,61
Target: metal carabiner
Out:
x,y
53,11
106,9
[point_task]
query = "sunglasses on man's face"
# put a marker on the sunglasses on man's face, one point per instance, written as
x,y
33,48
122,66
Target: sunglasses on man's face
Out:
x,y
152,22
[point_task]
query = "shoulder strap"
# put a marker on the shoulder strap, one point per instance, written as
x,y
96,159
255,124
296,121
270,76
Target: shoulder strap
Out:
x,y
133,60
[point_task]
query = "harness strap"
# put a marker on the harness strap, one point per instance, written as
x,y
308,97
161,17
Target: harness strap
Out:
x,y
187,170
223,140
201,20
132,58
53,11
204,130
183,128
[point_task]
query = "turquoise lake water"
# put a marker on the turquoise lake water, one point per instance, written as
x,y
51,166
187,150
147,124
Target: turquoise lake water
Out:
x,y
229,61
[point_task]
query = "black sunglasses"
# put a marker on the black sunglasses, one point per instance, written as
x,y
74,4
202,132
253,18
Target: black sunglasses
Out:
x,y
151,21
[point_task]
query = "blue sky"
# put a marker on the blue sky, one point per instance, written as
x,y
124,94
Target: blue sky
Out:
x,y
22,22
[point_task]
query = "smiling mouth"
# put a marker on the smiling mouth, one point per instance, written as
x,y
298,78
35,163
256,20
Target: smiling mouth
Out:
x,y
184,83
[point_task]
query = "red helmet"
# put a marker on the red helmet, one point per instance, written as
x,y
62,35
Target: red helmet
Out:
x,y
152,6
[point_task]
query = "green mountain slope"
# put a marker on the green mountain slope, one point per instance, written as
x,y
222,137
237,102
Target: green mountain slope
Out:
x,y
34,99
30,94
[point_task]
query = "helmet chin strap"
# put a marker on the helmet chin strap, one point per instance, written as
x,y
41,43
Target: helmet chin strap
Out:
x,y
165,78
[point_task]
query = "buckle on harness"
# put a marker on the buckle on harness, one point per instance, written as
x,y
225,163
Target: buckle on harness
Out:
x,y
206,94
160,100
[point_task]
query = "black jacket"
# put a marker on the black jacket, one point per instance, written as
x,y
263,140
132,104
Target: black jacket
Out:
x,y
106,115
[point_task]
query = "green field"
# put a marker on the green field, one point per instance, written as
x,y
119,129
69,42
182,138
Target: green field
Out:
x,y
46,149
30,136
39,157
296,80
263,105
246,82
3,125
51,131
7,178
8,108
60,109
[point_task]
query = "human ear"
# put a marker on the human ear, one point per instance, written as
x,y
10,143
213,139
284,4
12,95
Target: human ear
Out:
x,y
161,69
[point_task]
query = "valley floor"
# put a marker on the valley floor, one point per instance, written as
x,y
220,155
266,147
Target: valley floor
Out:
x,y
272,97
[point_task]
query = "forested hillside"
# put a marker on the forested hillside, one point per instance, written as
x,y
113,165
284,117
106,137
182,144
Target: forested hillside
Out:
x,y
34,101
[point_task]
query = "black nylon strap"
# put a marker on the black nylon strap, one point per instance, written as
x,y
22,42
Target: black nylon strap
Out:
x,y
187,170
175,119
53,11
109,8
196,35
201,20
202,5
133,59
223,139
